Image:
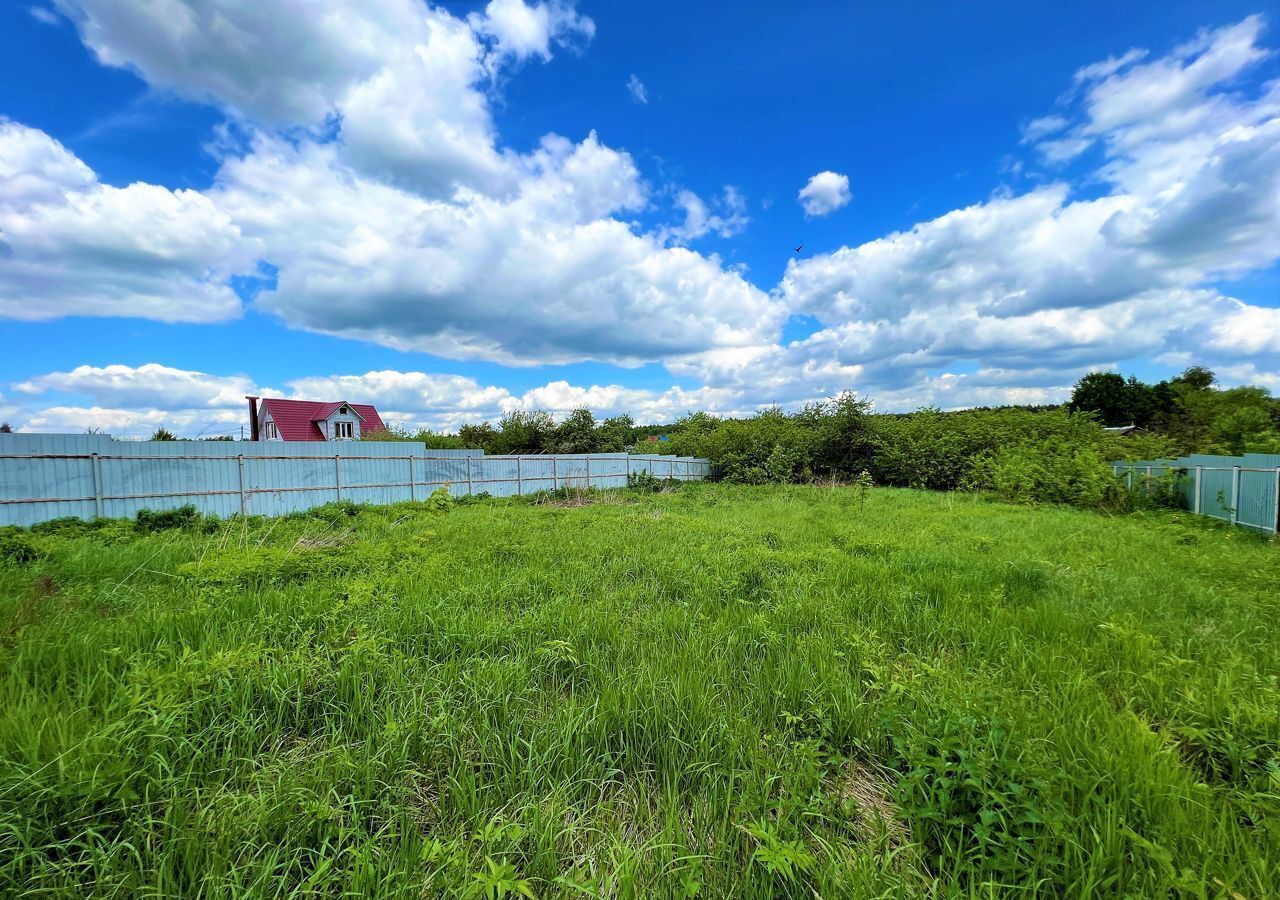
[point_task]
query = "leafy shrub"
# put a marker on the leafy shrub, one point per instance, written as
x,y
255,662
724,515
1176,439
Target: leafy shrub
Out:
x,y
770,446
17,548
646,482
786,463
1052,471
862,486
335,512
186,517
926,449
1160,491
784,859
973,793
431,440
69,526
440,499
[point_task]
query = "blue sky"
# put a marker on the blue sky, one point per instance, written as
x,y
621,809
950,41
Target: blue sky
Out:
x,y
367,205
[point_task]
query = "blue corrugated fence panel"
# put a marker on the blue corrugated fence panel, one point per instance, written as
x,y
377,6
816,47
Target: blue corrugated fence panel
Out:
x,y
1216,481
1244,489
1258,502
48,476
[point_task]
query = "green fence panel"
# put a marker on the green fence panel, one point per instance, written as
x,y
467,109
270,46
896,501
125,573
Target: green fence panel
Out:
x,y
1244,490
1258,502
1216,480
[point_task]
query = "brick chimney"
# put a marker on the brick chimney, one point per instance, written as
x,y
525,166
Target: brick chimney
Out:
x,y
253,417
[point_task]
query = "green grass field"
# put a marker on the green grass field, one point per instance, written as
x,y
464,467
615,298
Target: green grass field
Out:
x,y
717,692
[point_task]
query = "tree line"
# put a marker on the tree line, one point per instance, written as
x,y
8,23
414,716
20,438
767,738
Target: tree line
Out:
x,y
1189,410
532,431
1050,453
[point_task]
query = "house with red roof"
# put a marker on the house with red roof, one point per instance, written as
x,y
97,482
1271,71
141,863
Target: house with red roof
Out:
x,y
311,420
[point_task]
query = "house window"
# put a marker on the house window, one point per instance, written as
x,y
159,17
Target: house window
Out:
x,y
343,431
269,428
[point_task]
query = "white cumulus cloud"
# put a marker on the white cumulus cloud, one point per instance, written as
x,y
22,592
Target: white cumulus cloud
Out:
x,y
373,184
70,245
133,401
398,217
725,216
825,193
1191,172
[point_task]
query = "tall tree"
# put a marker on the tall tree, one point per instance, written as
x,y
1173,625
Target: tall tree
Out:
x,y
478,437
1198,378
576,434
524,431
614,433
1106,394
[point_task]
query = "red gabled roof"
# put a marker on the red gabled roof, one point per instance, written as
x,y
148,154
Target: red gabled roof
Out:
x,y
368,416
296,420
325,410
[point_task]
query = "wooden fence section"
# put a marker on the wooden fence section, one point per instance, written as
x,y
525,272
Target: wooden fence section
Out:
x,y
1242,490
45,477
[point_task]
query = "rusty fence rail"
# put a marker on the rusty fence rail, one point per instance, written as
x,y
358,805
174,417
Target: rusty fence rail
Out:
x,y
45,477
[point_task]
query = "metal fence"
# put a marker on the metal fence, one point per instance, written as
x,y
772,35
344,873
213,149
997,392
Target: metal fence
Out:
x,y
48,476
1242,490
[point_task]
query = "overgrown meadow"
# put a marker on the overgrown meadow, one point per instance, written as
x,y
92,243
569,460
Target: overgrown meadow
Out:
x,y
721,691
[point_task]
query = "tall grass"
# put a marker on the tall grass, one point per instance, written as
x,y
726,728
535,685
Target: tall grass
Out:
x,y
718,692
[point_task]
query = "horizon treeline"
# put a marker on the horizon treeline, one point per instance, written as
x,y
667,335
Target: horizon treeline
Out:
x,y
1189,411
1047,453
1058,453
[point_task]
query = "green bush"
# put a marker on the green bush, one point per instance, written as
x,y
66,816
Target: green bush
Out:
x,y
772,446
69,526
1045,455
979,800
17,548
182,517
646,482
431,440
1051,471
440,500
334,512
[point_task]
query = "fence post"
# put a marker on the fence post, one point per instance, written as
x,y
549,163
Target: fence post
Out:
x,y
588,472
337,476
1147,490
244,505
555,479
519,479
413,494
1275,497
1196,508
1235,494
628,470
96,463
1128,479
